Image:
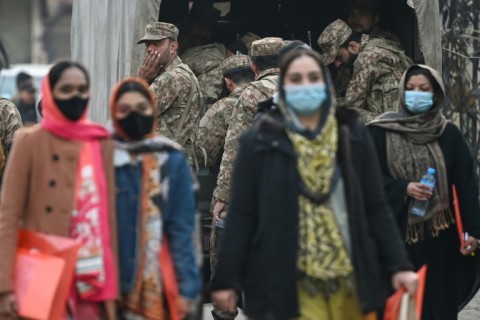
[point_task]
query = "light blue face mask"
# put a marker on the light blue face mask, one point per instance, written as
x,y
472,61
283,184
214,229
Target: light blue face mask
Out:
x,y
418,102
305,99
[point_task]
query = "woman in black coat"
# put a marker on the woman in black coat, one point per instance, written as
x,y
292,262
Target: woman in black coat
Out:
x,y
409,142
309,233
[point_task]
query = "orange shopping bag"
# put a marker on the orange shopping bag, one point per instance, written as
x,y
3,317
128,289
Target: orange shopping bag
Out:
x,y
169,280
60,247
36,280
399,305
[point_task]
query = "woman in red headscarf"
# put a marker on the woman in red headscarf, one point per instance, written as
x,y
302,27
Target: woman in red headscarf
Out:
x,y
155,200
59,180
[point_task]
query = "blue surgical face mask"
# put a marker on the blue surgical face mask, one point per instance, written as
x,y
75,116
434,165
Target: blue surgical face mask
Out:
x,y
418,102
305,99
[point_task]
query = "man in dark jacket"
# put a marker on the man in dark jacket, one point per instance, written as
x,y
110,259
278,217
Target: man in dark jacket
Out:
x,y
25,99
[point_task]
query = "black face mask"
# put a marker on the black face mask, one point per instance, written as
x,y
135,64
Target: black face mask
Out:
x,y
136,126
72,108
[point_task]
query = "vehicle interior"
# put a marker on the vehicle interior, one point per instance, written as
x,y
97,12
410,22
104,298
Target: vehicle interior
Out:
x,y
289,19
295,19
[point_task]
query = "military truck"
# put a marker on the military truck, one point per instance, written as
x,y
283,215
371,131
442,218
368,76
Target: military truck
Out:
x,y
104,36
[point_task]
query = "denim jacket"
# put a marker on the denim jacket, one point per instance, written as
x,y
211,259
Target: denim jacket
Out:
x,y
178,214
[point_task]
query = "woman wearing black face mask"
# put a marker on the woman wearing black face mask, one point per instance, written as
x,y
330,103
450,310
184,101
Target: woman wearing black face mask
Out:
x,y
156,199
59,181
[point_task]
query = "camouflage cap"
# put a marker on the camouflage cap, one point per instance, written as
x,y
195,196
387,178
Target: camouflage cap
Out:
x,y
235,62
248,39
334,35
156,31
266,47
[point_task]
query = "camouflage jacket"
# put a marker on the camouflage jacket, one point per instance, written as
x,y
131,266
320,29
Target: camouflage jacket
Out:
x,y
386,35
213,128
10,123
377,70
205,63
261,89
344,74
179,102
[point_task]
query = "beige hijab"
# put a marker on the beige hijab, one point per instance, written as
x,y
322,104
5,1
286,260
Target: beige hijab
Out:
x,y
412,148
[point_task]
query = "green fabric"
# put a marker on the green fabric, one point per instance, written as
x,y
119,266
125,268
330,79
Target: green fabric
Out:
x,y
341,305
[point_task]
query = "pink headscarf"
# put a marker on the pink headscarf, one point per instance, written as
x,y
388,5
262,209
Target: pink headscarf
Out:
x,y
91,196
55,122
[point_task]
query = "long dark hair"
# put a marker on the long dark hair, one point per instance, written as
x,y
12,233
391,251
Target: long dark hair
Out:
x,y
57,70
131,86
417,71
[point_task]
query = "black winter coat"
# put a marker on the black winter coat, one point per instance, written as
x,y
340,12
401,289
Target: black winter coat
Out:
x,y
259,249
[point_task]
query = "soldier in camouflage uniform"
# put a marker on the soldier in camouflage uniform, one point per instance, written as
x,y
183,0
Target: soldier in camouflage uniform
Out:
x,y
10,122
377,68
179,98
212,130
205,62
264,54
237,74
204,56
363,18
242,45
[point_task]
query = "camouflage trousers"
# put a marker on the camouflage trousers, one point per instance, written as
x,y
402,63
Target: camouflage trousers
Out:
x,y
214,239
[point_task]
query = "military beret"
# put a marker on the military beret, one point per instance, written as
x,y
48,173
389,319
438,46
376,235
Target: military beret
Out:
x,y
156,31
334,35
266,47
235,62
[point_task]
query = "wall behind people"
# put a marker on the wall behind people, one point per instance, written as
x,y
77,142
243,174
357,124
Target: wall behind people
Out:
x,y
104,38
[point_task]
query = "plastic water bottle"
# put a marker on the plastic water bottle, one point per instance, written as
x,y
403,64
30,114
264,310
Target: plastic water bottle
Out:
x,y
419,207
220,224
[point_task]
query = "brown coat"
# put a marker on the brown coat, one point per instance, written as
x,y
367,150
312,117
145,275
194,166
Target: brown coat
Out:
x,y
38,191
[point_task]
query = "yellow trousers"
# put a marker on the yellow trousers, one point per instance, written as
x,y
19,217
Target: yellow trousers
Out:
x,y
342,305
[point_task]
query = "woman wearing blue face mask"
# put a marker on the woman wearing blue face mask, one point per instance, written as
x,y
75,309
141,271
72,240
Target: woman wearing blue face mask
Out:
x,y
409,142
309,234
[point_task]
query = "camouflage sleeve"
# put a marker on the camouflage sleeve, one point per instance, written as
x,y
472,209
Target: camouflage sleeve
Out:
x,y
166,89
245,112
366,71
212,132
11,122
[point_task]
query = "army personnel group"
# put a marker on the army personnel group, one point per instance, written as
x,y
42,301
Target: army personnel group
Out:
x,y
195,100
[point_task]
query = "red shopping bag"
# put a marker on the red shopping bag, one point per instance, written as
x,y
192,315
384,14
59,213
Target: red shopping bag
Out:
x,y
36,280
458,216
398,304
60,247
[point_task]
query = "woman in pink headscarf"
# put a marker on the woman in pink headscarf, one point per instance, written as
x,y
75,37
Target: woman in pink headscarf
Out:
x,y
59,180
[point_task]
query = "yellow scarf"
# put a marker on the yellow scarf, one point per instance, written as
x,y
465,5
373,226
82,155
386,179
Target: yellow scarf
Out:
x,y
322,253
